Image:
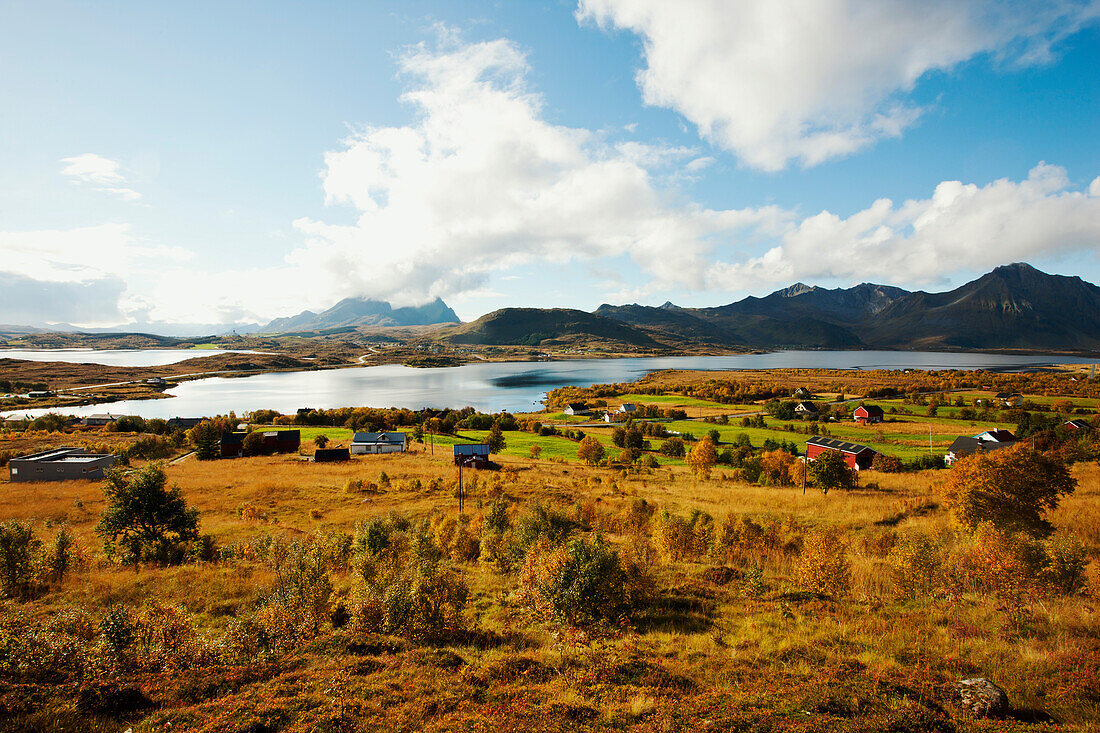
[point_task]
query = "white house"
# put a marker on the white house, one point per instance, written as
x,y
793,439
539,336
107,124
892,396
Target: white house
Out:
x,y
628,407
99,419
576,408
996,436
369,443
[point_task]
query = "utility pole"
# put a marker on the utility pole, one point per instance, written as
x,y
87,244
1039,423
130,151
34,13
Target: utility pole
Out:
x,y
929,439
460,486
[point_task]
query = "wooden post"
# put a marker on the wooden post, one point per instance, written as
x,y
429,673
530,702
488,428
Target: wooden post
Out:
x,y
460,486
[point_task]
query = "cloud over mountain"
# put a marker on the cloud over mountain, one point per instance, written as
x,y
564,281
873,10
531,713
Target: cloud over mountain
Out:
x,y
810,80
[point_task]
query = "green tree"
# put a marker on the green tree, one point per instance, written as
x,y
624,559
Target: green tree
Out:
x,y
591,451
673,448
144,518
702,458
496,440
1012,488
830,471
253,444
207,441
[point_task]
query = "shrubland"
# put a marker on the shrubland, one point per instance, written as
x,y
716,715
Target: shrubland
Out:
x,y
563,598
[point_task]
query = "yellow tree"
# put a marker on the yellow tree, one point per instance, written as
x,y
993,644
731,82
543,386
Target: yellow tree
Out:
x,y
702,458
1012,488
590,451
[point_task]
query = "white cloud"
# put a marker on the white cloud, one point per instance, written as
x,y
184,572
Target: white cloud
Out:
x,y
962,227
481,182
102,173
810,80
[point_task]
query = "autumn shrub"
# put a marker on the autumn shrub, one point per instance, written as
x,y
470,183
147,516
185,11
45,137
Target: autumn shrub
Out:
x,y
455,539
780,468
21,559
1015,568
916,565
575,584
302,584
1012,488
680,539
539,521
886,464
823,565
404,587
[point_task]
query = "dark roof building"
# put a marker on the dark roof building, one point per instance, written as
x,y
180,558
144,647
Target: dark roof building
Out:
x,y
868,414
60,464
857,456
331,455
963,447
274,441
1077,426
362,443
183,423
806,408
471,455
576,408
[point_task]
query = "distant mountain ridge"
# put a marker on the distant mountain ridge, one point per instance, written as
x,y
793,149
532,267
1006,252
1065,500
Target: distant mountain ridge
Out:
x,y
1013,307
351,312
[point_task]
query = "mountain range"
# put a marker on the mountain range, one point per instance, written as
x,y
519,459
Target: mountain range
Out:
x,y
1013,307
353,312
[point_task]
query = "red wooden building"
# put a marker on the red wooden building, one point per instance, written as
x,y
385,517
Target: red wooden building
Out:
x,y
858,457
868,414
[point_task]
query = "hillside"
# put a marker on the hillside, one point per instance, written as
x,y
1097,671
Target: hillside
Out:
x,y
352,312
548,326
1014,306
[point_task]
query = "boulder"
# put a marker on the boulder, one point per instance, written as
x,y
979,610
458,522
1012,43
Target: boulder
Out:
x,y
981,697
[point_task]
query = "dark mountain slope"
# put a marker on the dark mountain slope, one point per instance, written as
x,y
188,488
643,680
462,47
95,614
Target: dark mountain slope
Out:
x,y
1015,306
532,326
671,323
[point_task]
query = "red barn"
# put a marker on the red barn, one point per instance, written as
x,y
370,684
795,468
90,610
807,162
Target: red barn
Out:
x,y
868,414
858,457
1077,426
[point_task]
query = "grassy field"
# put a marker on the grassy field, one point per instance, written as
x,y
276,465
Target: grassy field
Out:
x,y
710,648
740,607
675,400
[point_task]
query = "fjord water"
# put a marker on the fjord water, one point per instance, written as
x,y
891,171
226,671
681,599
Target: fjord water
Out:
x,y
496,386
115,357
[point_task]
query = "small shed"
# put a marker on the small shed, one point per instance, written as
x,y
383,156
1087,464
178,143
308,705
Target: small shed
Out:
x,y
858,457
868,414
472,455
331,455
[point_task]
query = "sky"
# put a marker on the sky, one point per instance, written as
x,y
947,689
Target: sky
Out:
x,y
198,165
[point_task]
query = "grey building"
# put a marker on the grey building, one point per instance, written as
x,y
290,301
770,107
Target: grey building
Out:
x,y
60,464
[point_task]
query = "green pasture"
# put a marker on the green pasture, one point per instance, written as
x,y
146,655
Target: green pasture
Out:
x,y
681,401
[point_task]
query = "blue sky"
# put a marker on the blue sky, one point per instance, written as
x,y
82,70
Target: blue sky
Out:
x,y
233,162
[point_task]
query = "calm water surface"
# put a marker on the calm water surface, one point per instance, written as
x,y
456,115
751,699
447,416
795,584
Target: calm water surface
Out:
x,y
495,386
115,357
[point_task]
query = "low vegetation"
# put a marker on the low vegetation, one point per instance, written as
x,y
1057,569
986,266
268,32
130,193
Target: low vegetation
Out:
x,y
614,580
